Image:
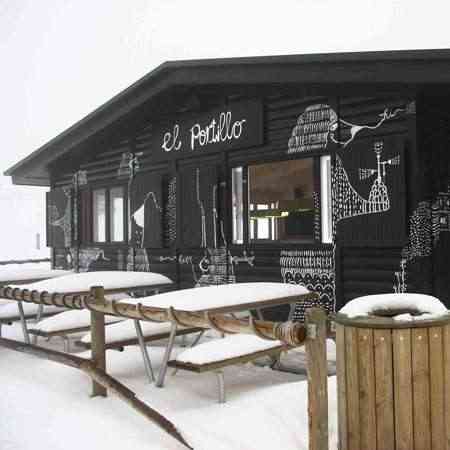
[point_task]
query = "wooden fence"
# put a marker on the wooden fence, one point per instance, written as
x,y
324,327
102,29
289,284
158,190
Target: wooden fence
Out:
x,y
313,335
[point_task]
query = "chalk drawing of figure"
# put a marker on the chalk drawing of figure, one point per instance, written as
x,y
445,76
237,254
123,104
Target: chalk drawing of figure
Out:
x,y
63,221
320,124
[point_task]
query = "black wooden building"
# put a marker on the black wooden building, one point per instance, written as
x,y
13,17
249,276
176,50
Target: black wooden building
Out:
x,y
328,170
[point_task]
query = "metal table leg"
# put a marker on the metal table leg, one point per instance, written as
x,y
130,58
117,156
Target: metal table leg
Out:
x,y
23,322
197,338
163,369
40,311
221,385
147,363
291,311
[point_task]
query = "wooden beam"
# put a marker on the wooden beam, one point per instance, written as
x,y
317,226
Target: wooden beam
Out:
x,y
98,339
290,333
316,357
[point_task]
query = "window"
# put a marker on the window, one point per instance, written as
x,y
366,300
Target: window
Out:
x,y
99,212
108,209
325,199
280,198
116,214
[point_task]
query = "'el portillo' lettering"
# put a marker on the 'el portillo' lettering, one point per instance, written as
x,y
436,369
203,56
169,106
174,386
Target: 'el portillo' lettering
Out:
x,y
216,131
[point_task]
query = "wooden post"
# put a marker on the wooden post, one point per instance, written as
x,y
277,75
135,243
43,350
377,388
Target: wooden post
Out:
x,y
316,360
98,339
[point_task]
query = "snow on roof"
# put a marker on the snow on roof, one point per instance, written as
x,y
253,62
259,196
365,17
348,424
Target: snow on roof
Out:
x,y
80,282
369,304
29,271
211,297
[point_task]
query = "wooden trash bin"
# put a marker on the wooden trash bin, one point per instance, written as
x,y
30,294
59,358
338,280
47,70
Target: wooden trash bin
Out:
x,y
393,383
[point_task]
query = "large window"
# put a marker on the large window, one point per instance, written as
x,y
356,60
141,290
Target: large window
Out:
x,y
280,201
108,209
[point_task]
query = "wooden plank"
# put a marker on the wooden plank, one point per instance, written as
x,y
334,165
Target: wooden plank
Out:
x,y
403,389
384,393
242,359
447,384
317,368
421,389
366,369
98,340
351,358
341,386
435,340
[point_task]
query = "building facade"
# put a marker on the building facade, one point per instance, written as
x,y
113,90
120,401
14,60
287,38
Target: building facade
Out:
x,y
331,171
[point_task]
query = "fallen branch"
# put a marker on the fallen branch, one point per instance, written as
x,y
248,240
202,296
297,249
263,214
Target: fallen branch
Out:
x,y
101,377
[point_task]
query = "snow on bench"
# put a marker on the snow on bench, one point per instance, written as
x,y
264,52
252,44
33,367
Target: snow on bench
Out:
x,y
9,312
220,353
123,334
74,321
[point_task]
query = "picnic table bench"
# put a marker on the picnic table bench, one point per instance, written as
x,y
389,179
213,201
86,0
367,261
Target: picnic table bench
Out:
x,y
11,312
213,356
221,299
80,283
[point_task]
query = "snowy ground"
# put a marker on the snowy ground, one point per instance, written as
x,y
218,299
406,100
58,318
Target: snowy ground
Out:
x,y
45,405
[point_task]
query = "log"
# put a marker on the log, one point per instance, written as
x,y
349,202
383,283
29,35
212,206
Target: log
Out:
x,y
317,370
290,333
98,340
102,378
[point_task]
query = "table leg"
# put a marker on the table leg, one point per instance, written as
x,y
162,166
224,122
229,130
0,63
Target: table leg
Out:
x,y
291,311
163,369
40,311
147,363
23,322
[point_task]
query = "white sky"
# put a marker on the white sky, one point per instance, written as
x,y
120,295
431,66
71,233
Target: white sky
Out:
x,y
60,59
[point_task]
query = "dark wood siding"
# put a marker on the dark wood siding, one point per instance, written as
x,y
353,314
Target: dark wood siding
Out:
x,y
369,247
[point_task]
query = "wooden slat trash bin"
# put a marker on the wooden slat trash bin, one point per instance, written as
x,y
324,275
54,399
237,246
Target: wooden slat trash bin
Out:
x,y
393,375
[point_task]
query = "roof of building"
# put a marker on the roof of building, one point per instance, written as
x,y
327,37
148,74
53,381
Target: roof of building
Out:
x,y
412,67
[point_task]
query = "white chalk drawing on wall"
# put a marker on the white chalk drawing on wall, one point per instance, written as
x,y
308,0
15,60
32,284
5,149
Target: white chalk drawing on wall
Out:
x,y
137,257
138,216
400,285
62,220
319,124
313,269
217,265
440,213
170,213
427,222
347,202
129,165
88,256
313,129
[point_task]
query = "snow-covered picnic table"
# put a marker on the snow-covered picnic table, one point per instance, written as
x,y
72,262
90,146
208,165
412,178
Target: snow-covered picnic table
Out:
x,y
81,283
28,273
221,299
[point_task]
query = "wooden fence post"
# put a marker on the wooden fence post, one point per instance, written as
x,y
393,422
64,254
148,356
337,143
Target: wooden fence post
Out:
x,y
317,369
98,339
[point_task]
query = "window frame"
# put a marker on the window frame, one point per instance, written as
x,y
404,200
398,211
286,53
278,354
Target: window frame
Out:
x,y
108,188
317,238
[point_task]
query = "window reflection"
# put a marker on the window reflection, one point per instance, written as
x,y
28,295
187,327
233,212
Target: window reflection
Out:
x,y
281,202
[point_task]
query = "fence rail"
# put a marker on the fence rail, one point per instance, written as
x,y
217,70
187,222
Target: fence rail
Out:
x,y
23,261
